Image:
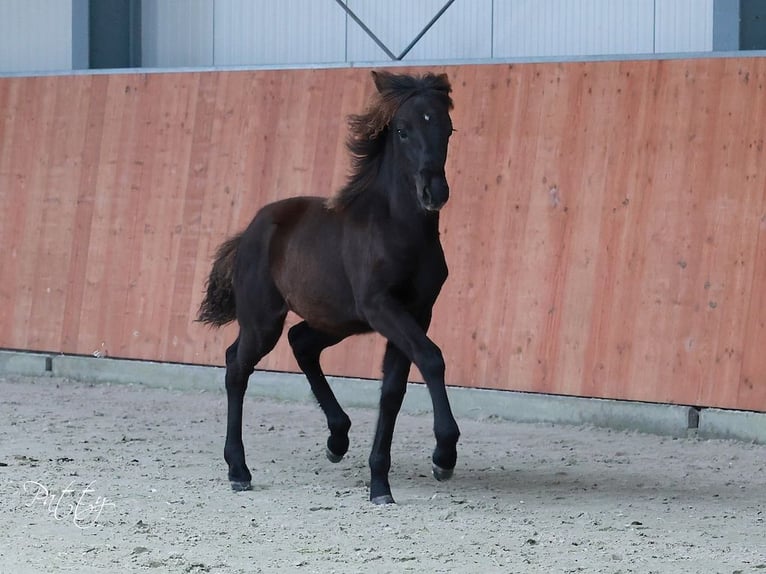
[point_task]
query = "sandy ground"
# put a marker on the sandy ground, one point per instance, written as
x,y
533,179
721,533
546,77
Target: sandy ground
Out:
x,y
112,478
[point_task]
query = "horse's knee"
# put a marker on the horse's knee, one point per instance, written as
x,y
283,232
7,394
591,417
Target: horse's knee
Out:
x,y
431,365
395,364
392,397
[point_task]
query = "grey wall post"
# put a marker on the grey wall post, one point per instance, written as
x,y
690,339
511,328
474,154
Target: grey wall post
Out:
x,y
725,25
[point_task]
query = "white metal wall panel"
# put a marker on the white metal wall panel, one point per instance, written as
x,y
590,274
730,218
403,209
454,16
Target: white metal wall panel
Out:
x,y
537,28
177,33
35,35
684,26
258,32
462,32
38,35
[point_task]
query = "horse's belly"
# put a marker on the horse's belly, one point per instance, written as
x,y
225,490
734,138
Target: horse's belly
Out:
x,y
328,316
328,306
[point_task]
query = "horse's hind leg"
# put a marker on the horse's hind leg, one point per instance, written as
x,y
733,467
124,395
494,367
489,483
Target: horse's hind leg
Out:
x,y
307,345
234,451
241,357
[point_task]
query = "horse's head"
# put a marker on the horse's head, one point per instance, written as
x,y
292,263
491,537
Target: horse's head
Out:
x,y
419,132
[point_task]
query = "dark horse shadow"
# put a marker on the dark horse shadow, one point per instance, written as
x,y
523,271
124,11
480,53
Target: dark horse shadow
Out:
x,y
368,259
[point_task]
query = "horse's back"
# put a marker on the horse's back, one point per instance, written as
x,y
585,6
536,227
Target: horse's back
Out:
x,y
277,221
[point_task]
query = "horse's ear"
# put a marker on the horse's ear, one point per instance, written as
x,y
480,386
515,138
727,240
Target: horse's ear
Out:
x,y
382,80
443,83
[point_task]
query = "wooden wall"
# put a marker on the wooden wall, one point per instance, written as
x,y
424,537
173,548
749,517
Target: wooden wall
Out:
x,y
605,233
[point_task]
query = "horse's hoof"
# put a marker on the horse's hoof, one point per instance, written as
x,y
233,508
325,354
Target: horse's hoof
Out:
x,y
240,486
331,456
383,499
442,474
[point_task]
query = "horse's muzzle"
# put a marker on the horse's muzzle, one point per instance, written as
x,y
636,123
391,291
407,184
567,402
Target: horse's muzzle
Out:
x,y
433,191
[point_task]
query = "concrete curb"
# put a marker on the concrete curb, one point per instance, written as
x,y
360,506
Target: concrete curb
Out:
x,y
31,364
740,425
673,420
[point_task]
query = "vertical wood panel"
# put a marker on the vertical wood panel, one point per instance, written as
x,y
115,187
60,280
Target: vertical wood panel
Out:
x,y
604,235
64,133
751,388
84,196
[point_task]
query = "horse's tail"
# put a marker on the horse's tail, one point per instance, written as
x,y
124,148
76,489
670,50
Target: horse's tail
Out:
x,y
219,306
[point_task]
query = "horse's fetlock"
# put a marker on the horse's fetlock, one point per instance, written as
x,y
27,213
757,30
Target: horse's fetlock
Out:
x,y
380,464
447,436
340,425
345,426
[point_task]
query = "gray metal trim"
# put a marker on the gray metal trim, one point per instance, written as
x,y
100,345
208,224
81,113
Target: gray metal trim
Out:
x,y
366,29
427,27
136,36
80,35
394,64
380,42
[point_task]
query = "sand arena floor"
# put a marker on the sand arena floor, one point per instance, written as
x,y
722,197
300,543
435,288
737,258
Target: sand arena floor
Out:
x,y
117,478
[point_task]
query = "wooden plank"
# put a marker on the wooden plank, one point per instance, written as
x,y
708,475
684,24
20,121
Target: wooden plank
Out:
x,y
89,150
9,190
31,120
57,209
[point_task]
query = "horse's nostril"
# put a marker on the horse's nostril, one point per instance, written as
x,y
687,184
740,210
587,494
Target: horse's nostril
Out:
x,y
427,195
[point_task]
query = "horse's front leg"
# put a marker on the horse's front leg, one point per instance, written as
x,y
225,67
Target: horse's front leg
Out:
x,y
401,329
396,368
430,361
445,428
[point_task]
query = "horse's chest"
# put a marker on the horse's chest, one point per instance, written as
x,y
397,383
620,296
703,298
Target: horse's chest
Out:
x,y
418,276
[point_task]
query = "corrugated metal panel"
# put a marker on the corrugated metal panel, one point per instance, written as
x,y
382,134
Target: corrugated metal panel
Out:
x,y
35,35
684,26
463,31
177,33
253,32
535,28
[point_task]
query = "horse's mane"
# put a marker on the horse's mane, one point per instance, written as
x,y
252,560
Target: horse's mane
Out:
x,y
368,131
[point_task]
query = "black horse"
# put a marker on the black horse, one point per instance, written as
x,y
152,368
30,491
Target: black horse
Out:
x,y
367,259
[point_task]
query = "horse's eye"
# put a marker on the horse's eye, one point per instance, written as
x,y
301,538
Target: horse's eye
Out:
x,y
402,134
